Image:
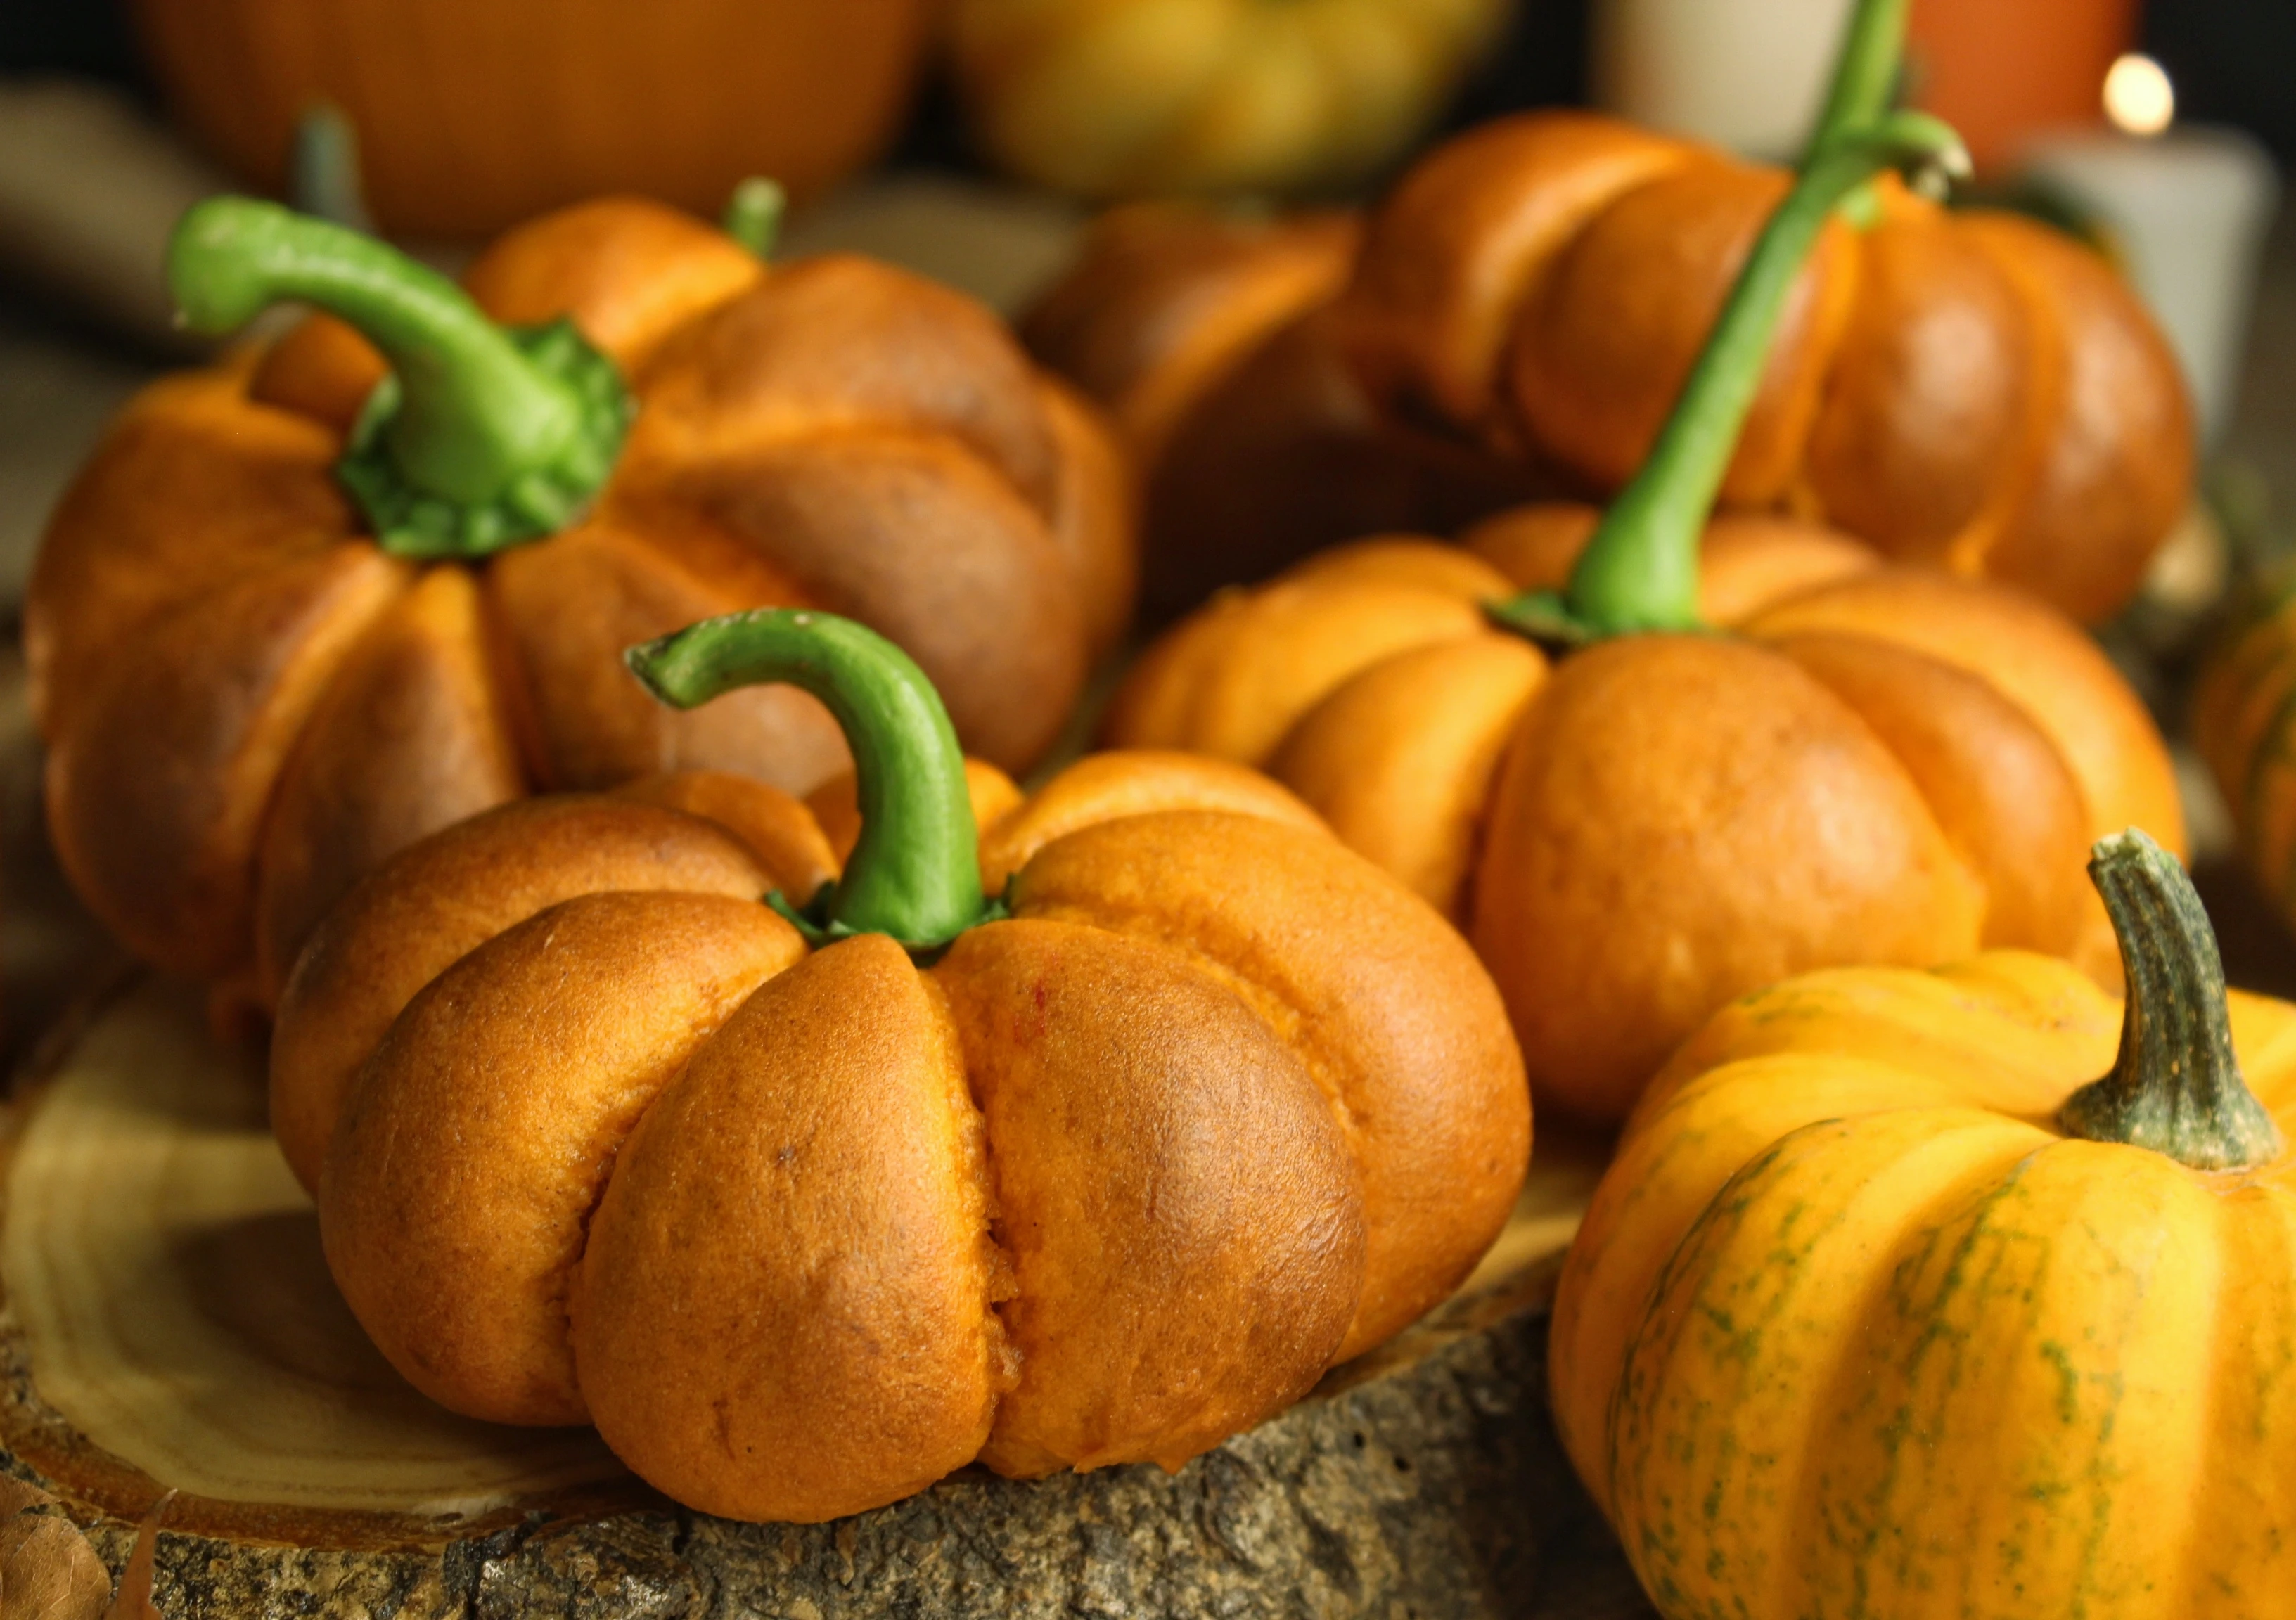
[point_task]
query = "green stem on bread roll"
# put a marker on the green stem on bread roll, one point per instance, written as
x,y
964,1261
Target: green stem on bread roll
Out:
x,y
1640,570
482,439
915,873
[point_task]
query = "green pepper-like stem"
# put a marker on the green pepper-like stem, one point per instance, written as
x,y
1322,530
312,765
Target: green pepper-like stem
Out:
x,y
486,438
1640,571
1864,72
2176,1087
753,215
322,169
915,873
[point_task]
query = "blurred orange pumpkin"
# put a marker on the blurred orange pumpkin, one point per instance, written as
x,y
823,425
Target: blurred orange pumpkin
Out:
x,y
1206,334
474,114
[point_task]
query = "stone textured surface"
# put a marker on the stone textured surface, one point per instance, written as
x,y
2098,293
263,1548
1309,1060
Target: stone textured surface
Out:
x,y
1429,1488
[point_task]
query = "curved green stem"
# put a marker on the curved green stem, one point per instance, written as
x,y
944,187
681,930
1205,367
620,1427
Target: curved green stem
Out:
x,y
1640,571
1865,73
487,437
753,215
2176,1087
915,874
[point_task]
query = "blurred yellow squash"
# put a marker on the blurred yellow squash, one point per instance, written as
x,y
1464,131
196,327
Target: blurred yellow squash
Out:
x,y
1127,98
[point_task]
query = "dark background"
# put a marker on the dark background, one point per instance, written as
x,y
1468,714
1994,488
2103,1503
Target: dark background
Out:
x,y
2233,61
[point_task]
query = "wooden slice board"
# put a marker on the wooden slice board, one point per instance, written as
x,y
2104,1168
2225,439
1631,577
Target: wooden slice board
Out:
x,y
168,1323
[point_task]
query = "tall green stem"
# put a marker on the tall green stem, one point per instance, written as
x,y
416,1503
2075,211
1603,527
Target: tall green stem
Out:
x,y
2176,1087
753,215
485,437
1864,72
915,874
1640,571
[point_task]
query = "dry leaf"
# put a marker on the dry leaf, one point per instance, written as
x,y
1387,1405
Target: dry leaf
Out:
x,y
48,1571
134,1599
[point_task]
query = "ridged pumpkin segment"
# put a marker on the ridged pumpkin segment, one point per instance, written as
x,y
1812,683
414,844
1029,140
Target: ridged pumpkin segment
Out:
x,y
843,341
2000,790
1403,560
786,1303
2037,660
1467,236
1932,395
199,712
1758,833
1605,344
247,490
413,734
788,841
474,1143
568,605
628,271
1137,781
1091,519
1889,1303
2114,467
996,617
622,422
392,934
1728,1355
1161,1301
1119,1172
1117,329
2044,665
1379,996
1400,760
1253,671
2243,722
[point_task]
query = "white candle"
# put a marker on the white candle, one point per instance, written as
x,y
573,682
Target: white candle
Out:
x,y
1746,74
2189,209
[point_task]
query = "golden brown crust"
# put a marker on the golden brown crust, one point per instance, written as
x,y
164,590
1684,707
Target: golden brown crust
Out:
x,y
2001,792
2033,657
845,342
2112,469
1382,999
422,912
785,1309
990,612
411,736
627,271
781,831
1130,781
1754,832
1161,1300
1970,389
1116,1178
1234,682
568,607
1091,517
1601,349
158,786
1167,299
1400,760
1932,388
475,1142
1466,236
836,433
189,491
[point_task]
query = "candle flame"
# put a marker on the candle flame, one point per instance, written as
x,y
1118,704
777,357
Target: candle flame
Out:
x,y
2138,97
